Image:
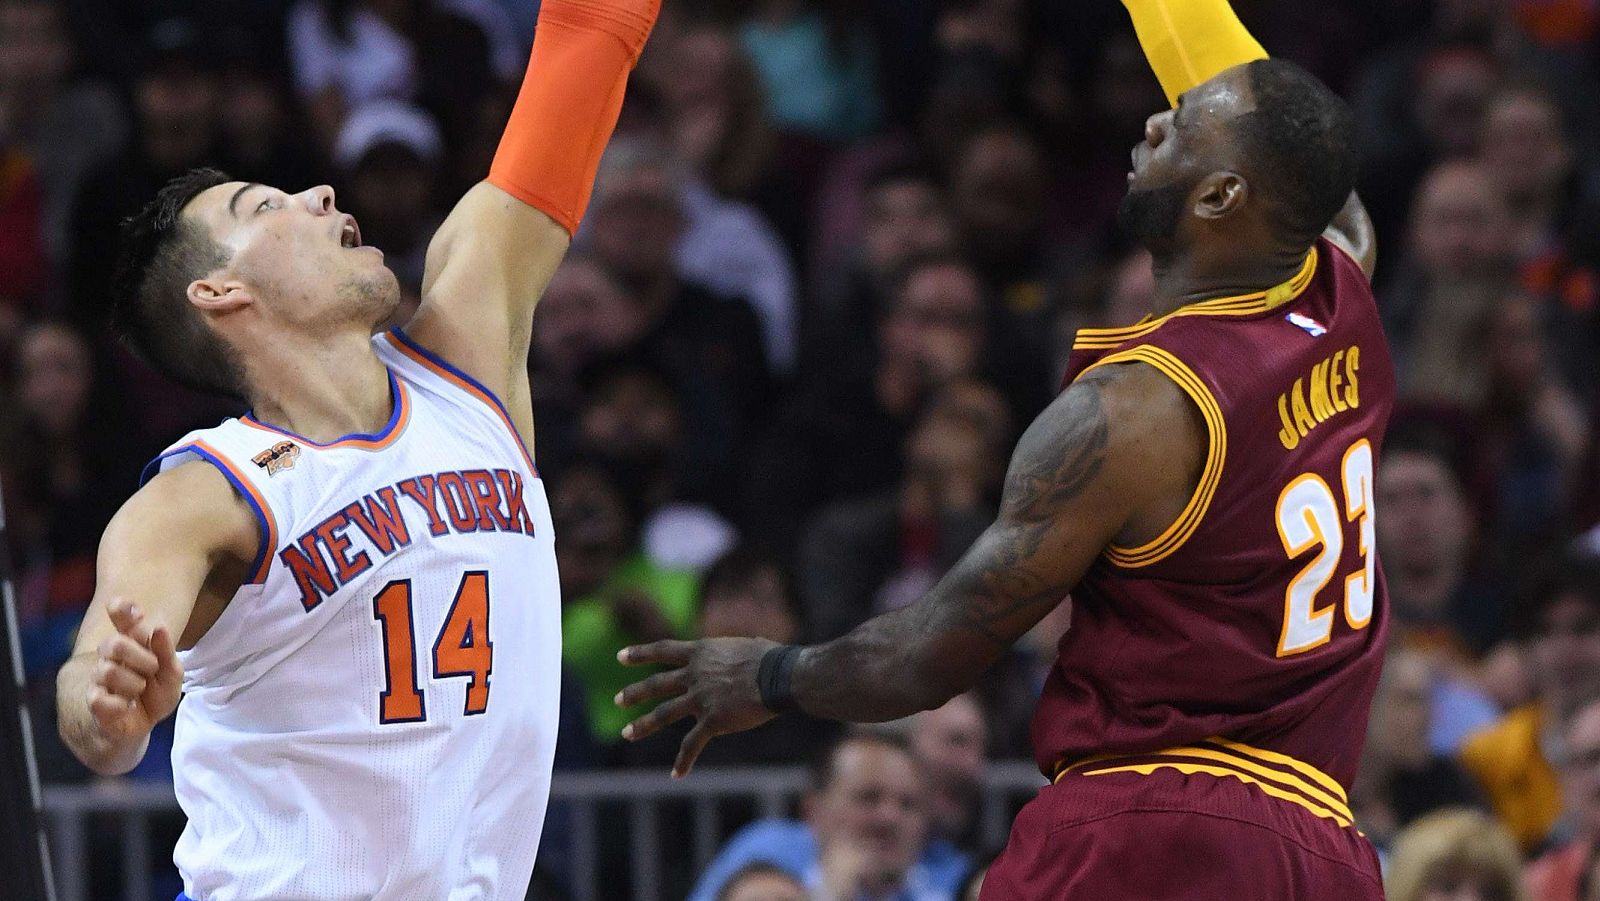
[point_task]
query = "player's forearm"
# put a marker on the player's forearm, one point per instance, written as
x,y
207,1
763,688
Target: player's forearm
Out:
x,y
570,99
1189,41
105,755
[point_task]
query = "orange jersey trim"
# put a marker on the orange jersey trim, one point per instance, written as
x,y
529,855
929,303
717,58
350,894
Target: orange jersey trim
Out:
x,y
1165,544
378,441
247,490
1276,775
1240,305
404,343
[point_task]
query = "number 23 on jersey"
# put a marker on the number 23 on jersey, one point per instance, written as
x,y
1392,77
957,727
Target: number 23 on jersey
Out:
x,y
463,648
1309,516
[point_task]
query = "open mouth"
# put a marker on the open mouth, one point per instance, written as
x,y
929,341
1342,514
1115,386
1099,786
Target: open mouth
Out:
x,y
350,233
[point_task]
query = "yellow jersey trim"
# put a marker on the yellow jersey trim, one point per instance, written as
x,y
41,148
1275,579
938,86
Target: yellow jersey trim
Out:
x,y
1306,786
1178,532
1239,305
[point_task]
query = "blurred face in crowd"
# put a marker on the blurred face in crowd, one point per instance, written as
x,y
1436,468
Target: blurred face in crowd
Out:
x,y
952,742
875,804
1516,343
764,886
950,467
757,606
1525,144
1459,223
1581,770
1452,87
1402,711
1464,884
592,518
54,374
390,189
937,322
251,113
977,405
632,416
997,191
177,114
1566,652
1425,524
296,257
582,315
34,52
905,219
636,222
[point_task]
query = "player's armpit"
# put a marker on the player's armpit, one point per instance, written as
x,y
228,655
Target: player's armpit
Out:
x,y
1353,233
184,532
1115,455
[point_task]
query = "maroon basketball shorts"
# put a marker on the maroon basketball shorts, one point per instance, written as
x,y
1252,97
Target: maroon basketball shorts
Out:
x,y
1191,831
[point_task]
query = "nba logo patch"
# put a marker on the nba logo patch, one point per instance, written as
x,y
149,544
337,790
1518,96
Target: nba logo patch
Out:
x,y
278,457
1313,328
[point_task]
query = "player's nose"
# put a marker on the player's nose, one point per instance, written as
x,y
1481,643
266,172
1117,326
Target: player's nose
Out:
x,y
319,200
1155,128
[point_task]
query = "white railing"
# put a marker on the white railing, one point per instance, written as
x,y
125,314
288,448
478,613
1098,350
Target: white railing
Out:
x,y
771,790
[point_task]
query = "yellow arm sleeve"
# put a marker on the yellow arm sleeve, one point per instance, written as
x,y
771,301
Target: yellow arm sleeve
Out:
x,y
1189,41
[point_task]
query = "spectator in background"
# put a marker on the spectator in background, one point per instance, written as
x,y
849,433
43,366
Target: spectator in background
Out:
x,y
710,345
67,127
763,882
816,66
863,835
1454,855
612,595
584,317
346,53
632,418
22,261
905,217
1567,872
1404,775
953,744
1511,760
260,137
387,153
842,434
866,556
68,456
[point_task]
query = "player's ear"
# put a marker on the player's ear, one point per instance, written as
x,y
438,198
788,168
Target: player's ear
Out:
x,y
1220,195
217,294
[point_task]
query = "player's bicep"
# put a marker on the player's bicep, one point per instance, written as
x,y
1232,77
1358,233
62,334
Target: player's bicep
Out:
x,y
486,268
176,533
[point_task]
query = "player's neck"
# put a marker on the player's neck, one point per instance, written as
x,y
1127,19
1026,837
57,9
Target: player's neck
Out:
x,y
1183,280
323,391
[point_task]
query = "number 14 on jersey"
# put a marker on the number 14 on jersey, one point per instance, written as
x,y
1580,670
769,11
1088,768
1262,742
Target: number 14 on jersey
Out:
x,y
463,648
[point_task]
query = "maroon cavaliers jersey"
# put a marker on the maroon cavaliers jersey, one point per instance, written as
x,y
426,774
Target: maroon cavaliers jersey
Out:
x,y
1259,616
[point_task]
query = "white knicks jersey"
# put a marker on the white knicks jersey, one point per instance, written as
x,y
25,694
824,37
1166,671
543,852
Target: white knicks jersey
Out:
x,y
373,716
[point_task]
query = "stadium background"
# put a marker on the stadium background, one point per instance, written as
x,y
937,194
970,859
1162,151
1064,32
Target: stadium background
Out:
x,y
834,262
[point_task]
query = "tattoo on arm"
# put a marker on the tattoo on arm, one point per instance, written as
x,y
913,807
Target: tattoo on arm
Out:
x,y
1017,572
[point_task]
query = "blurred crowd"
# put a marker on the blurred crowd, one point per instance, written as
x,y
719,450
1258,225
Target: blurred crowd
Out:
x,y
834,261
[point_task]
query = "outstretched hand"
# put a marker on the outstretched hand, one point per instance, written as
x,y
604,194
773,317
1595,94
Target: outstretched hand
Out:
x,y
714,681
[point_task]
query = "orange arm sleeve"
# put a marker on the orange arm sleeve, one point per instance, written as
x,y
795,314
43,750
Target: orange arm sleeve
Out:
x,y
571,96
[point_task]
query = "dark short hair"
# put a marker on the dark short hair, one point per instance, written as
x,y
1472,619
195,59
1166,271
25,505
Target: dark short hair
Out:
x,y
1299,144
825,764
160,253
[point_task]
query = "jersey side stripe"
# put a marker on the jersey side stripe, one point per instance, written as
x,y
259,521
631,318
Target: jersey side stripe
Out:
x,y
269,525
1178,532
436,364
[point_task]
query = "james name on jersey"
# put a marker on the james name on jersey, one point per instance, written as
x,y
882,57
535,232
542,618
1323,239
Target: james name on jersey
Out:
x,y
475,500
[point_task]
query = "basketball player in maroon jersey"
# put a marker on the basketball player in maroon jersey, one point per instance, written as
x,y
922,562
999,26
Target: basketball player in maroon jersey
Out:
x,y
1203,489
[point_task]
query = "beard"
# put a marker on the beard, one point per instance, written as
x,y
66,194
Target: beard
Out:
x,y
1152,216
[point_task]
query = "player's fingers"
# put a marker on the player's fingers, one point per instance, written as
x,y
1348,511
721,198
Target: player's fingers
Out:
x,y
118,679
672,653
662,685
652,722
689,750
164,650
129,620
125,651
106,707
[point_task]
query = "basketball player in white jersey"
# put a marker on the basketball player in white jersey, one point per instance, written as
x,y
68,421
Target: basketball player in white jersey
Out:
x,y
354,586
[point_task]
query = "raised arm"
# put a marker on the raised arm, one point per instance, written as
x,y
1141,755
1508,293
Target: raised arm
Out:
x,y
184,535
1115,457
491,259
